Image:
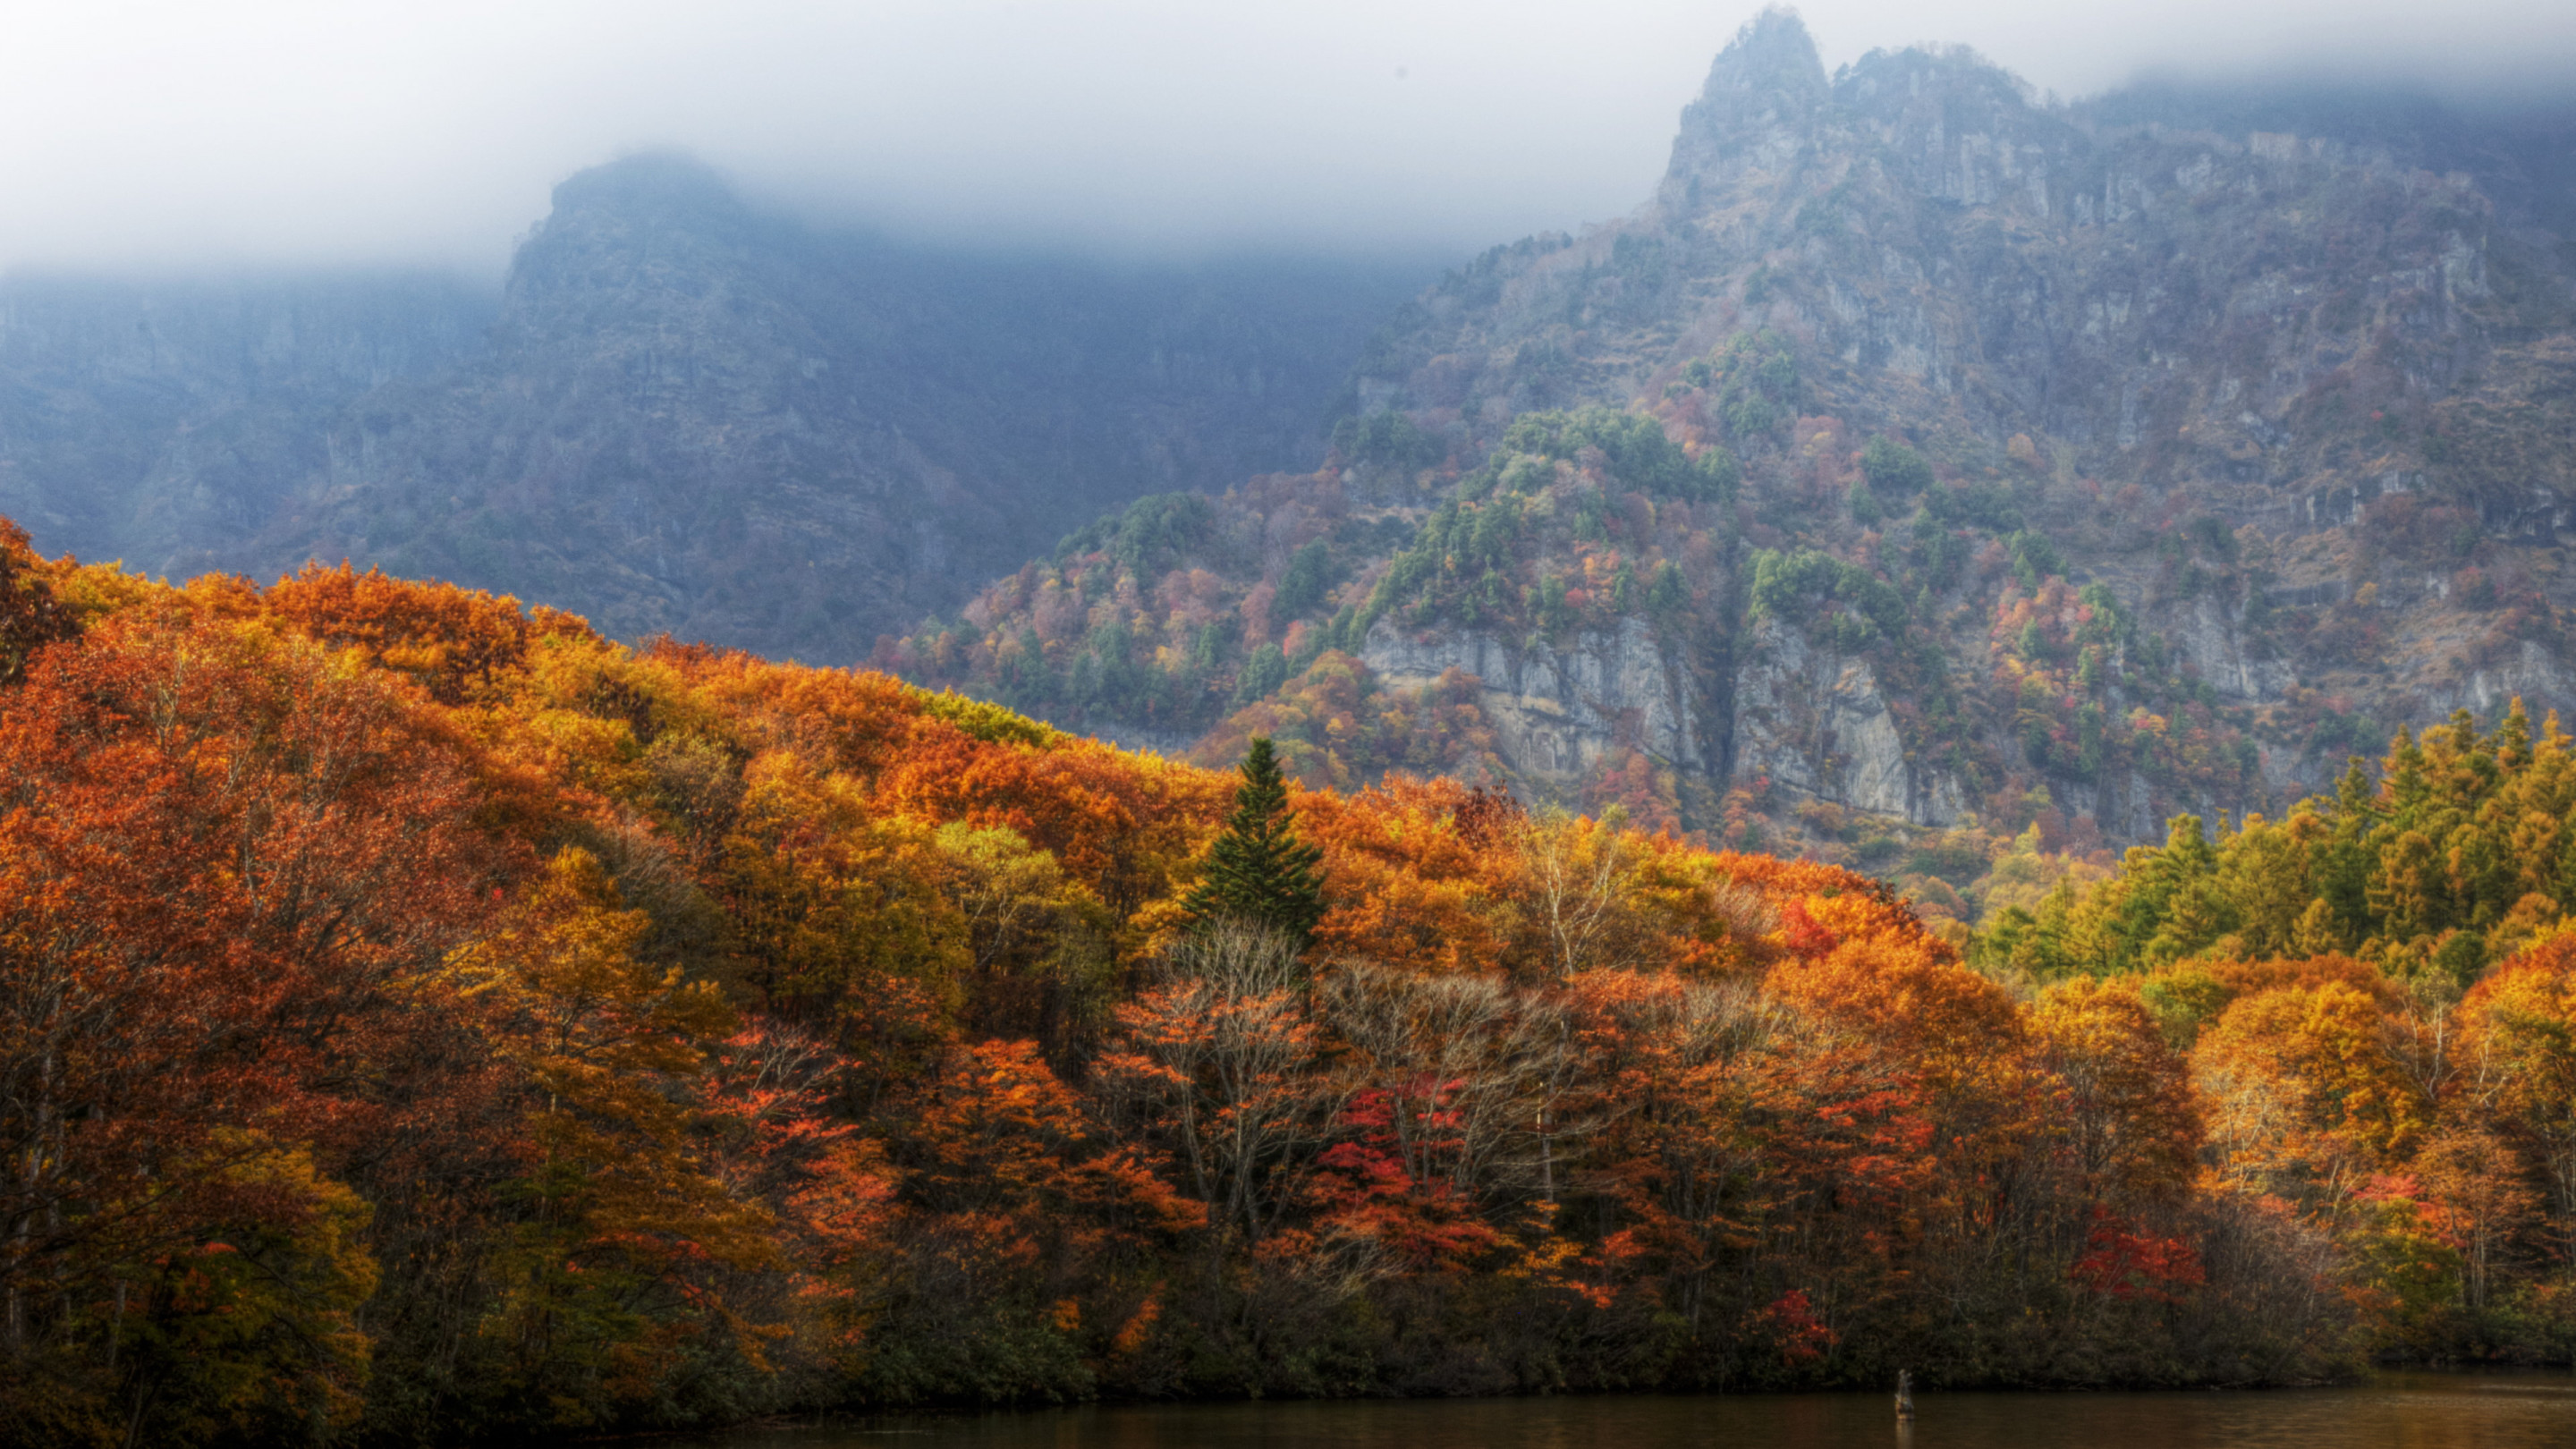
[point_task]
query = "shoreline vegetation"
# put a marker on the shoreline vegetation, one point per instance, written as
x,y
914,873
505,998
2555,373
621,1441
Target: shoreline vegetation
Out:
x,y
428,1021
2546,1377
2490,1406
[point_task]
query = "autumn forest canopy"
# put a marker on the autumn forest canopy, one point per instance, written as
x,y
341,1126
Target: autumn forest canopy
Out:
x,y
429,1021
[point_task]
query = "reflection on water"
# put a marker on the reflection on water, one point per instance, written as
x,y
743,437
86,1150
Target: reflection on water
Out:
x,y
2397,1411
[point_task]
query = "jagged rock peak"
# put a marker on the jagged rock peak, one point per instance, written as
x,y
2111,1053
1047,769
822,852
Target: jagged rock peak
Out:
x,y
660,228
1764,90
1932,92
650,183
1772,52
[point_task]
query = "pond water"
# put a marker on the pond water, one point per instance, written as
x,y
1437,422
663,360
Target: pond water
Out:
x,y
2394,1411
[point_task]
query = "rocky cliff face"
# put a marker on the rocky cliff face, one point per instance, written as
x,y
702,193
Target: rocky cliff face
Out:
x,y
681,413
1558,710
1793,715
1812,721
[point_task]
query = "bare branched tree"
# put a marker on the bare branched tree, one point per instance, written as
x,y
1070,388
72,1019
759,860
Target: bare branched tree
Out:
x,y
1578,880
1220,1060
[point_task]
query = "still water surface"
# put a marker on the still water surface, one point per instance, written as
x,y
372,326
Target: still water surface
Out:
x,y
2395,1411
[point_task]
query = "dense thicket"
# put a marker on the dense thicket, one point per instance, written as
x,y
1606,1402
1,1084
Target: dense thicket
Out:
x,y
2376,992
426,1021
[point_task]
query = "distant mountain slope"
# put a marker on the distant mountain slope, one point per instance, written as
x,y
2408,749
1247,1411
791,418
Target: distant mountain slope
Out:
x,y
166,422
1920,451
688,415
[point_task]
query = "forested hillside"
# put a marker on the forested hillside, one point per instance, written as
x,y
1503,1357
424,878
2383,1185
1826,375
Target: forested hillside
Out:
x,y
427,1021
1925,463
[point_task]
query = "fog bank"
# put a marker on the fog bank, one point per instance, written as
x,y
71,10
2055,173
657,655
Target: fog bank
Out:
x,y
156,135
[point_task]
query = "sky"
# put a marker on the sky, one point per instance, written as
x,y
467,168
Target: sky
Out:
x,y
157,135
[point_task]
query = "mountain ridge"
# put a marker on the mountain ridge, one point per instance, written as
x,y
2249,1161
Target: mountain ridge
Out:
x,y
685,413
2027,460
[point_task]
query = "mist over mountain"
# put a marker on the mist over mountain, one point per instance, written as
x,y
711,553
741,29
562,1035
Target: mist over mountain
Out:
x,y
680,413
1921,449
157,134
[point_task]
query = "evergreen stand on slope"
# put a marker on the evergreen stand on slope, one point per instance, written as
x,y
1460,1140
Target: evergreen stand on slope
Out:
x,y
1258,871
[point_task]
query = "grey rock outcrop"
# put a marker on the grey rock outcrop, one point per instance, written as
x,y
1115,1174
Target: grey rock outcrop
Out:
x,y
1557,711
2208,634
2533,673
1814,722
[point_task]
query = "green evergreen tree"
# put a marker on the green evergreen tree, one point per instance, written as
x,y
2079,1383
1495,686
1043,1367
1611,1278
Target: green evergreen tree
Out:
x,y
1258,870
2512,739
2344,859
2409,793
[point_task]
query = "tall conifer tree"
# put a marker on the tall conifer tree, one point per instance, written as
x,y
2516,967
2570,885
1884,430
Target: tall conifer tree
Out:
x,y
1258,870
